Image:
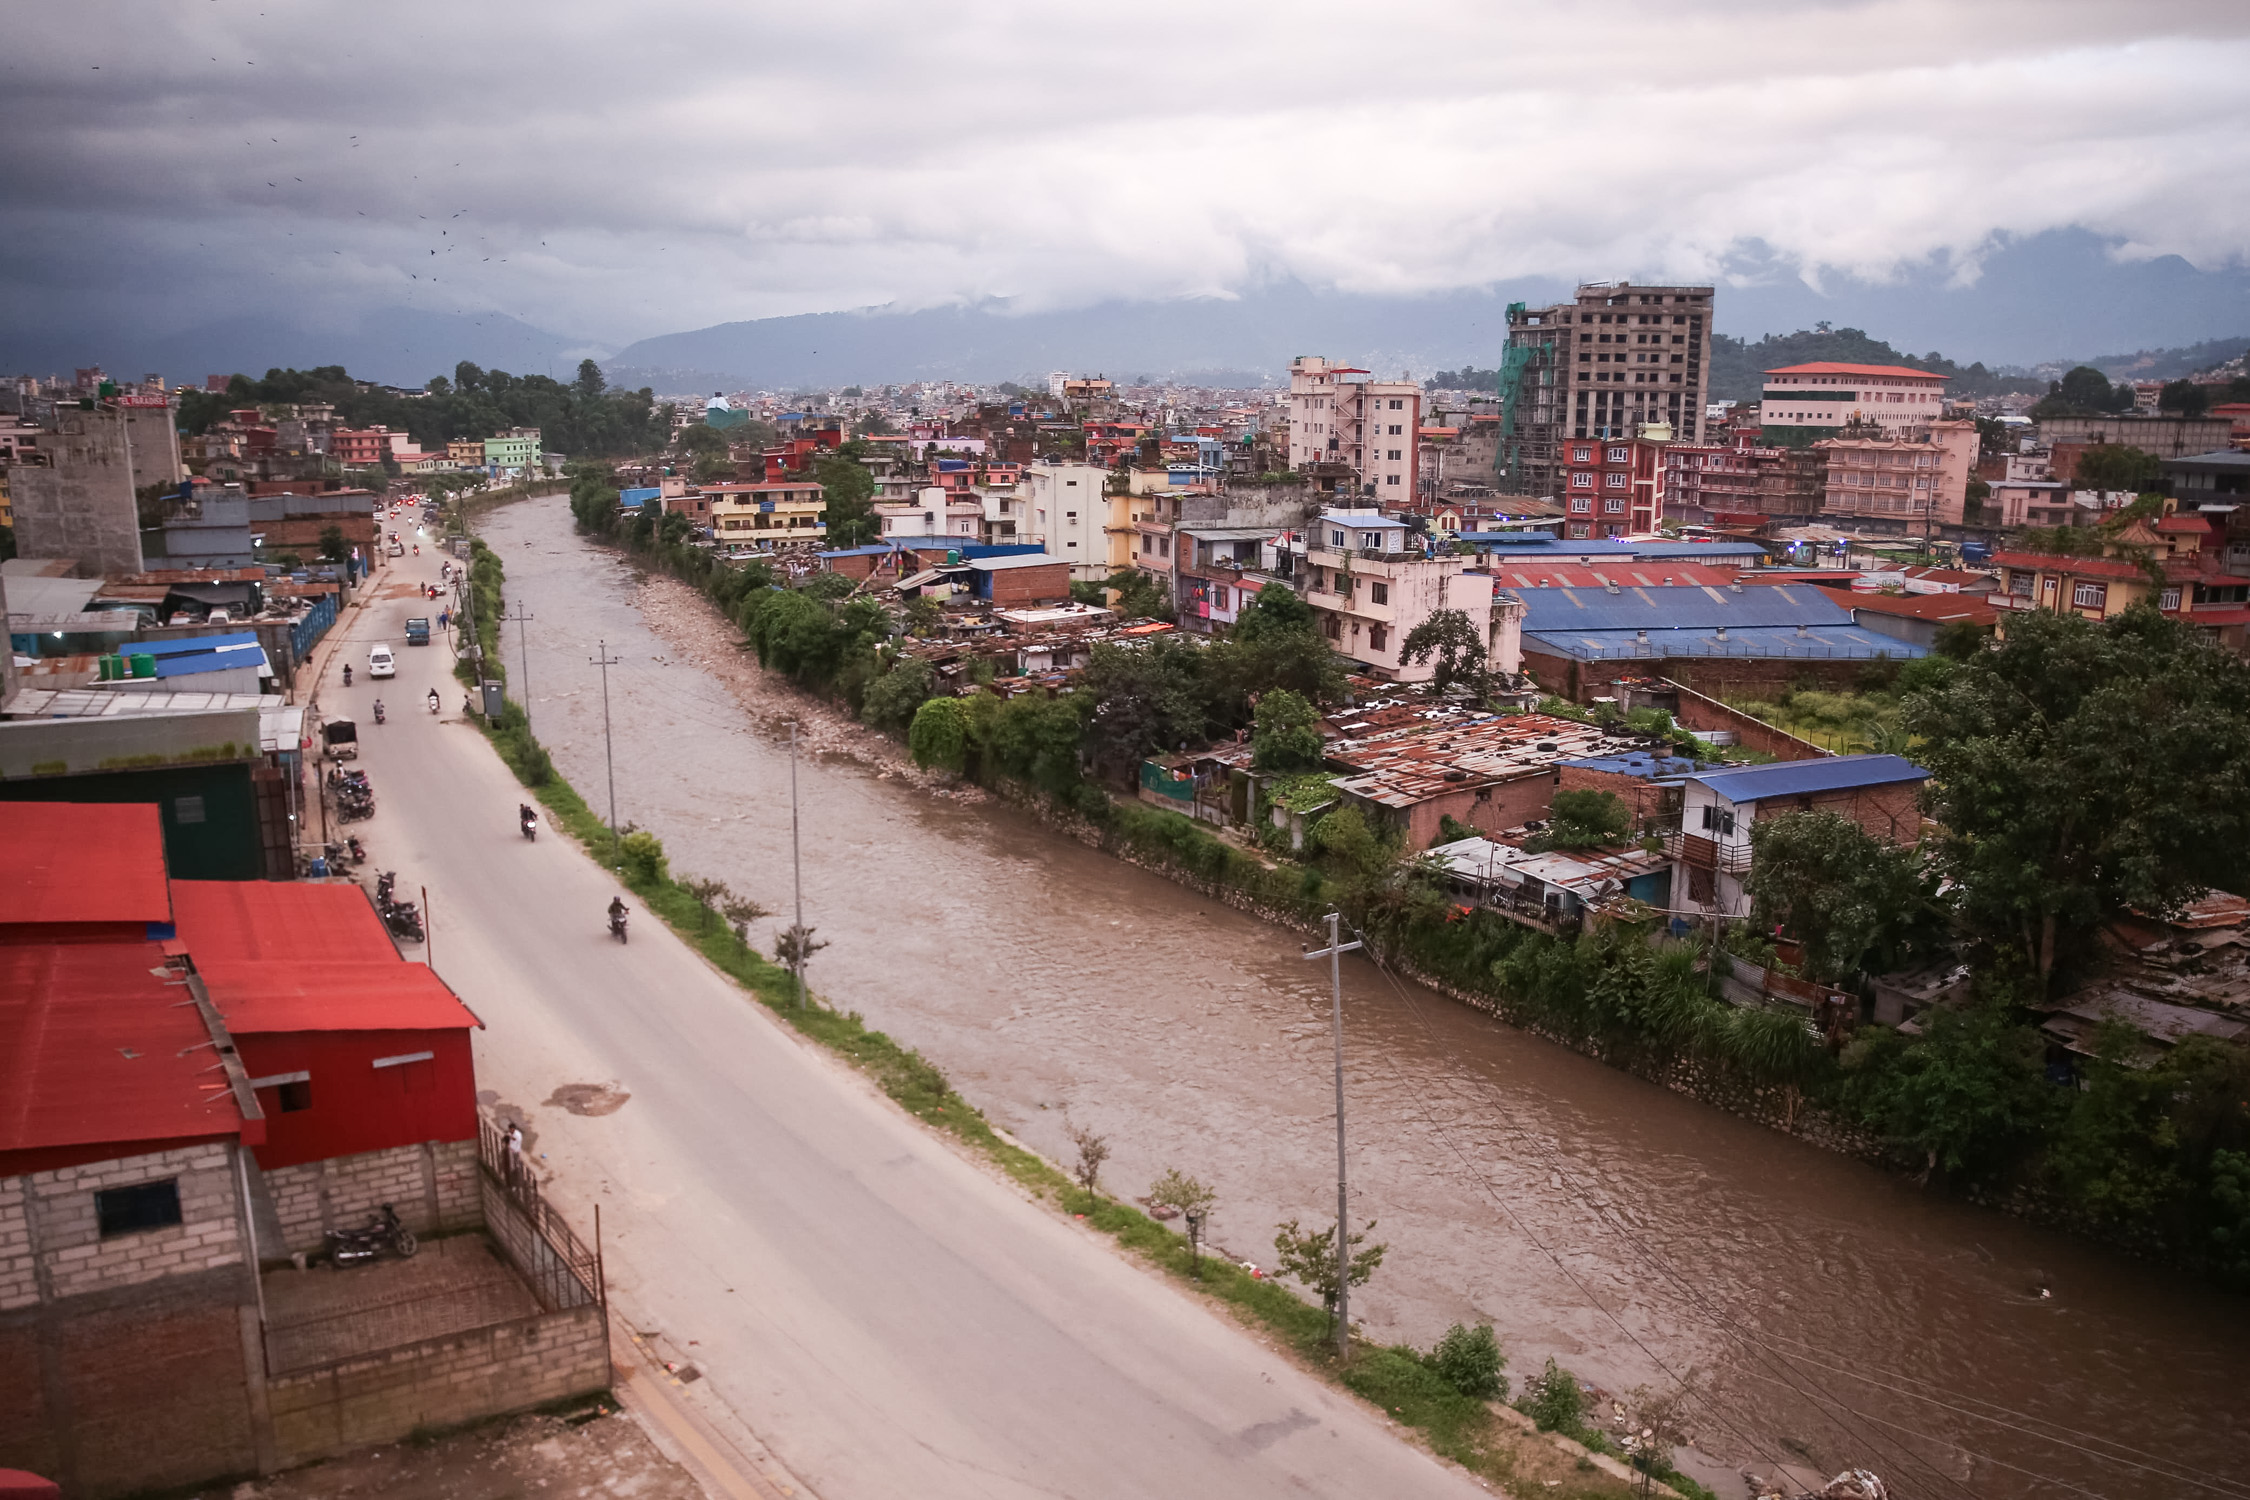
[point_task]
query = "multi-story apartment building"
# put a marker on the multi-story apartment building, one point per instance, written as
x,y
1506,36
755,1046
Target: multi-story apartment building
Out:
x,y
1369,590
467,452
1917,477
517,448
359,447
767,516
1611,486
1715,481
1805,403
1337,416
1616,359
1068,510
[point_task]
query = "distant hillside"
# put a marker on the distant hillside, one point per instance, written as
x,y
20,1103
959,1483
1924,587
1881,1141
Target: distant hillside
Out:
x,y
2165,364
1738,368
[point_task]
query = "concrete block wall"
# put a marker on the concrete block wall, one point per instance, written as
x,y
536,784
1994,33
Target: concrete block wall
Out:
x,y
432,1185
463,1378
48,1226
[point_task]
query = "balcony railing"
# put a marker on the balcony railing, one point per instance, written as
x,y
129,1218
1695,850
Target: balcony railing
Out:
x,y
1701,853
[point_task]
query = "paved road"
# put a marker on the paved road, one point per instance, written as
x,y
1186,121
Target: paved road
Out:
x,y
890,1318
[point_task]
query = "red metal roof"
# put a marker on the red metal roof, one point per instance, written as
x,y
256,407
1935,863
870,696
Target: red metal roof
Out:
x,y
262,997
1825,368
231,920
2049,562
1943,608
82,862
97,1047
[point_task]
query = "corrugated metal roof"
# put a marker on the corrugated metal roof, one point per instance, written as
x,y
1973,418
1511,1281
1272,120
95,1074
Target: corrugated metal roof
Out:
x,y
1405,766
1816,643
82,862
281,724
1799,778
1681,607
232,920
1556,549
998,564
262,997
1638,763
97,1046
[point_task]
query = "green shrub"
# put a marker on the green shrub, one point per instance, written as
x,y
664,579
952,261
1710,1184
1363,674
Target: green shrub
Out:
x,y
940,734
643,854
1555,1400
1470,1359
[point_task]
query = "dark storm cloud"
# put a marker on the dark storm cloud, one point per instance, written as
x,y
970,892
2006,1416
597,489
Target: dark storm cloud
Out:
x,y
618,170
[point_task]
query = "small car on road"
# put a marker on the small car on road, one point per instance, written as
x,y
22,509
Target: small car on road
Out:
x,y
380,663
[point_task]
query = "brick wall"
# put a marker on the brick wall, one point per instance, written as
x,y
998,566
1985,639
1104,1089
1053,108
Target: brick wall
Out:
x,y
1699,712
1510,804
1643,798
463,1378
48,1228
433,1186
1716,676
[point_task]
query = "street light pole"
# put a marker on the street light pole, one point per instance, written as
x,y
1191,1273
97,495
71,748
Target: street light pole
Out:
x,y
523,648
605,661
1334,953
797,870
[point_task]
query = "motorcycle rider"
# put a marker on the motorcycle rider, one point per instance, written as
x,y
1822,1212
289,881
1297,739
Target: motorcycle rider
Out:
x,y
347,674
617,910
433,700
378,710
526,818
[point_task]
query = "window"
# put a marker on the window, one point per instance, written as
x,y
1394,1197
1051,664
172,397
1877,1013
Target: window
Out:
x,y
1581,504
145,1205
1396,429
1614,481
1614,505
187,810
1335,539
1581,455
1618,455
1582,480
2169,599
2090,595
1394,455
1335,628
1380,593
2019,585
1398,405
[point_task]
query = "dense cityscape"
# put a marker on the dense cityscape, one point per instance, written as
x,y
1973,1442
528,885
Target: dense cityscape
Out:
x,y
1665,910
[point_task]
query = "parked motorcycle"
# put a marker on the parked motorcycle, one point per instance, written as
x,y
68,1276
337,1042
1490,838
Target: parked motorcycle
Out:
x,y
401,917
357,851
352,1247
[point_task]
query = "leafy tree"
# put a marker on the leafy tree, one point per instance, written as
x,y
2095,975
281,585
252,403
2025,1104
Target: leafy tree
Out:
x,y
2118,466
940,734
1193,1201
1585,820
1471,1362
1310,1257
1093,1151
1277,610
2080,769
892,700
1030,736
849,492
1288,734
2184,397
1138,597
333,546
1840,891
2085,391
591,382
1454,645
1958,641
1963,1096
1146,698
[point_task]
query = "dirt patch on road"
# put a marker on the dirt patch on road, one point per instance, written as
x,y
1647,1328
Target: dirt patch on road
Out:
x,y
589,1098
700,637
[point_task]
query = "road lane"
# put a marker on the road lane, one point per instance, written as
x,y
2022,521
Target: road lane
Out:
x,y
889,1317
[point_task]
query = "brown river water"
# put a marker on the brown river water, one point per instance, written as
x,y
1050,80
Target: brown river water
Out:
x,y
1833,1314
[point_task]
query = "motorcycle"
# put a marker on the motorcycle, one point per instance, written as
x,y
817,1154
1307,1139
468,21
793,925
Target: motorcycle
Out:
x,y
353,846
433,703
402,917
378,710
617,925
347,674
351,1247
528,821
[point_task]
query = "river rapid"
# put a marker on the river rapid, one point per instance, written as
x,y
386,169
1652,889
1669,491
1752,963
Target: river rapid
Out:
x,y
1833,1314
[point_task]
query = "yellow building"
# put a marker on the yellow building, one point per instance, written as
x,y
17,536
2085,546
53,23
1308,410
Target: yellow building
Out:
x,y
467,452
2186,565
767,516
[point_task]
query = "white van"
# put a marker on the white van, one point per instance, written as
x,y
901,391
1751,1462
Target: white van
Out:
x,y
380,663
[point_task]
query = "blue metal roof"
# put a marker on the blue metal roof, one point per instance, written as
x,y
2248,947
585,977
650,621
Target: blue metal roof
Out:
x,y
1680,606
1799,778
1817,642
872,549
638,496
1643,763
191,656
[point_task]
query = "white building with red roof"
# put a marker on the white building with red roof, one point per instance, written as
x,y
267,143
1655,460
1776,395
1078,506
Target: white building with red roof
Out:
x,y
1804,403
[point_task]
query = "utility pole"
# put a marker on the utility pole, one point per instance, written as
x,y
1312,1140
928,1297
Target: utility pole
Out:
x,y
523,649
1334,953
605,661
797,872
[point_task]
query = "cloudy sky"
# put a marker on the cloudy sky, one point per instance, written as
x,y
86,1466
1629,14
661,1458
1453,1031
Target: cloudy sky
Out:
x,y
619,170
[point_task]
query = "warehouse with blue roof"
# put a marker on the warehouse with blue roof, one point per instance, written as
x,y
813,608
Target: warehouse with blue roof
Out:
x,y
1577,639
